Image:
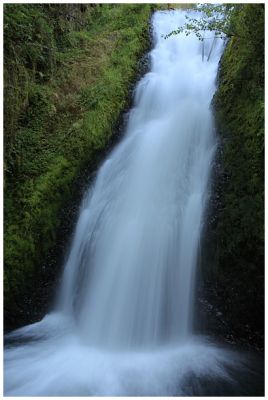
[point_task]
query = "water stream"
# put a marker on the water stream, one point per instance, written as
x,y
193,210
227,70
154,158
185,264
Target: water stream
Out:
x,y
123,320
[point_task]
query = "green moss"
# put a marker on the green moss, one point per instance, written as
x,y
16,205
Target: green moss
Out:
x,y
65,123
239,105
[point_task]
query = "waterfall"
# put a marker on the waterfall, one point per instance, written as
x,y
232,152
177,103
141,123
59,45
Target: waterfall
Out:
x,y
123,321
129,279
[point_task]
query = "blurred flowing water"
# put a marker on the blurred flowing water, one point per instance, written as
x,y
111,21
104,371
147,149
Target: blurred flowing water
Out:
x,y
123,320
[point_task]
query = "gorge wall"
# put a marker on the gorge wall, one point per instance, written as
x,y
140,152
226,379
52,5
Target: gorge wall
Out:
x,y
68,71
236,230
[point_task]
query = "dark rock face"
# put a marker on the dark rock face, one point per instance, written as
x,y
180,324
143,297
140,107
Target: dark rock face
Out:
x,y
232,261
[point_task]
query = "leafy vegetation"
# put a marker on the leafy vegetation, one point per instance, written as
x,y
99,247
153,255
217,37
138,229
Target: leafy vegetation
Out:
x,y
217,18
68,69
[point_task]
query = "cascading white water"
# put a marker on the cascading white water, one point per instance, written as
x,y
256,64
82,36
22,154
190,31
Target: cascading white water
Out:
x,y
123,325
129,277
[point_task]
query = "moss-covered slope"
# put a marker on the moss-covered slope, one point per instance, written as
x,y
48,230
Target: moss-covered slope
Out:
x,y
68,70
239,230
